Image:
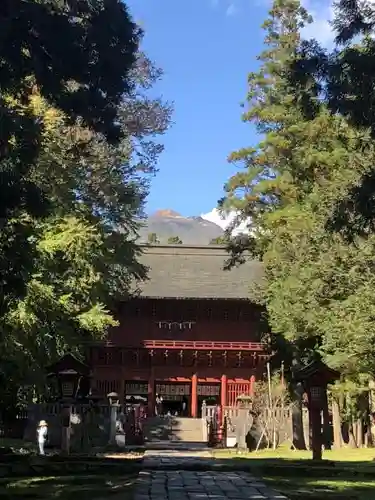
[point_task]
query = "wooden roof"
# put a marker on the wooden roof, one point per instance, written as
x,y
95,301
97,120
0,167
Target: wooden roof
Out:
x,y
183,271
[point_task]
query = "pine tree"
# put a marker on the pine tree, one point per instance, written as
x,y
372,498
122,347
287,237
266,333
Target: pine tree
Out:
x,y
64,50
319,287
342,79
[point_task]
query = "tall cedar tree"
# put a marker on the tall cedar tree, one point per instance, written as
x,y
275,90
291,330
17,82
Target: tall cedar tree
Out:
x,y
318,286
86,253
343,79
78,55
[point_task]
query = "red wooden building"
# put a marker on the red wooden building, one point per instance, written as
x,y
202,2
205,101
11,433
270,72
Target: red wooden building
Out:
x,y
192,334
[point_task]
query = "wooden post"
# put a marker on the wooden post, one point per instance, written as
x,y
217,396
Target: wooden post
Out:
x,y
316,432
223,391
316,400
194,396
66,411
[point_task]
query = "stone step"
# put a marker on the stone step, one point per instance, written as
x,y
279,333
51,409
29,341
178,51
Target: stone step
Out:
x,y
173,429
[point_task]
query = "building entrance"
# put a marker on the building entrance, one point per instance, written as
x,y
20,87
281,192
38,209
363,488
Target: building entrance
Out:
x,y
208,392
136,392
173,398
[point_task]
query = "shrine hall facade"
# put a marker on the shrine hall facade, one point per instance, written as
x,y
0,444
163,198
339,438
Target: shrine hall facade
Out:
x,y
190,335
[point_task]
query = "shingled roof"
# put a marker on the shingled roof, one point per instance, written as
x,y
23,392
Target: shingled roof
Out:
x,y
182,271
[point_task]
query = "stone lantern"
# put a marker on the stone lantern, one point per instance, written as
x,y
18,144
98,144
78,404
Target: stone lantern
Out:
x,y
114,404
315,378
69,372
243,422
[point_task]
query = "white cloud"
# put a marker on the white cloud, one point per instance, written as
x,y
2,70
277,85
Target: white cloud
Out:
x,y
231,10
215,217
322,13
230,7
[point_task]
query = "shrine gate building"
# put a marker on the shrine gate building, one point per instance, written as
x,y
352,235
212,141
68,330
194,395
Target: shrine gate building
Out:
x,y
191,334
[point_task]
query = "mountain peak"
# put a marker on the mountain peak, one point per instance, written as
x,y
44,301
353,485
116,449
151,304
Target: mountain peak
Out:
x,y
166,212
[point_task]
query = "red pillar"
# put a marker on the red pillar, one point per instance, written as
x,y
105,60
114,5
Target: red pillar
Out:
x,y
223,392
194,396
252,384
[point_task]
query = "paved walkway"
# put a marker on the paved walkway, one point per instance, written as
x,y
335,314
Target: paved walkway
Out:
x,y
167,476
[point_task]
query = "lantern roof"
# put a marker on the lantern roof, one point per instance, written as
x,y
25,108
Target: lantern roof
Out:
x,y
317,372
68,364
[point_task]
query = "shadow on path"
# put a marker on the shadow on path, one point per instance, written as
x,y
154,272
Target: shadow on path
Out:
x,y
296,479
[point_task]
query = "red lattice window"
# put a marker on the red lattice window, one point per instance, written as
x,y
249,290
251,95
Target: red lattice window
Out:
x,y
236,389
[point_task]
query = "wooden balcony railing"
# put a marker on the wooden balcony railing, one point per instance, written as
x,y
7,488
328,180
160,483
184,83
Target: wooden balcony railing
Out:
x,y
202,345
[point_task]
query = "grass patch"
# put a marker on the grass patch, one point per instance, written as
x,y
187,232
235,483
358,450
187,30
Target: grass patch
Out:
x,y
341,475
297,488
285,453
68,488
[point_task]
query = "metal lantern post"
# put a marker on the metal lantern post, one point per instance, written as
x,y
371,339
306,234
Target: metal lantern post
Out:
x,y
69,372
243,422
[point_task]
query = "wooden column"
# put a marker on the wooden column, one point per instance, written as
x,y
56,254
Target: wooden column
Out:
x,y
223,392
194,396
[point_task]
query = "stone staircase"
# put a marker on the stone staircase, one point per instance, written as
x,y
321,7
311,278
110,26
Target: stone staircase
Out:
x,y
187,430
173,429
157,429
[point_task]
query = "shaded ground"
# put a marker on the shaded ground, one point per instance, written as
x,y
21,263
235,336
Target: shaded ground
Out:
x,y
342,475
69,488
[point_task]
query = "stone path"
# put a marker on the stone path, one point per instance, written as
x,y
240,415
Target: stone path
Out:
x,y
166,478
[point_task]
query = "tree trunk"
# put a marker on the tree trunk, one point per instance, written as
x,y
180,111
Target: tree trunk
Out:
x,y
297,419
352,441
368,422
336,421
359,432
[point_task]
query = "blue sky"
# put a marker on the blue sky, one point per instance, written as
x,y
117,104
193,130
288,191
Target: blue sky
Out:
x,y
206,49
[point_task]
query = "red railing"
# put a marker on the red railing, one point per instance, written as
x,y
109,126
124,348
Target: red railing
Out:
x,y
202,345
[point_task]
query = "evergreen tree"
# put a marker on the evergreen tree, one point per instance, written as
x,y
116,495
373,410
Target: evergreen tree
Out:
x,y
291,184
85,255
342,78
65,51
319,286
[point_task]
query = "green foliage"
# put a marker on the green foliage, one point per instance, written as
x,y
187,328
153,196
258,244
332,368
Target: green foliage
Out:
x,y
219,240
81,144
72,76
319,287
174,240
341,79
